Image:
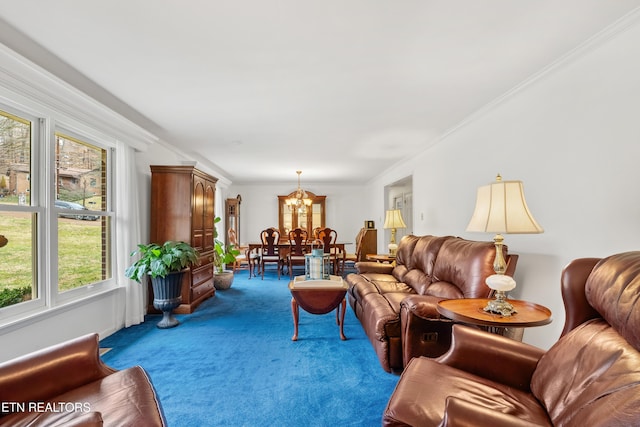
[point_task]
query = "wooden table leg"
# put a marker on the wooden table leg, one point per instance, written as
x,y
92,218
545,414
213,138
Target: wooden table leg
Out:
x,y
344,308
294,312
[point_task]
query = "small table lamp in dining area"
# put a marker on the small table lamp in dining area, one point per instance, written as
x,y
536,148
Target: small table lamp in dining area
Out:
x,y
502,208
394,221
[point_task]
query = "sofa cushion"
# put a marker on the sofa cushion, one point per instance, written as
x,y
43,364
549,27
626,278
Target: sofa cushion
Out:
x,y
379,318
360,286
612,289
587,374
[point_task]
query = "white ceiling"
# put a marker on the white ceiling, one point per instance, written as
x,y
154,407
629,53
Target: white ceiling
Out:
x,y
340,89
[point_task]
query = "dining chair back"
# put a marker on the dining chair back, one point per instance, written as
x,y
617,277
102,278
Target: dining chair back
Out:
x,y
269,250
328,237
298,243
245,258
241,259
315,232
351,259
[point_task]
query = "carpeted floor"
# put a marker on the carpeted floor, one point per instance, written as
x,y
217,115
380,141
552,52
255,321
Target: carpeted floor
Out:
x,y
232,363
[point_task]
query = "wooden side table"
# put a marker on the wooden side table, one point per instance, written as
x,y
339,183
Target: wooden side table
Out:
x,y
471,310
381,258
318,297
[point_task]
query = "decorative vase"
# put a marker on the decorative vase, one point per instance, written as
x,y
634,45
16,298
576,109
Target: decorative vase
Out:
x,y
167,296
223,280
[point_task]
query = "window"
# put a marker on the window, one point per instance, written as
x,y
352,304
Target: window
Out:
x,y
18,219
83,228
75,173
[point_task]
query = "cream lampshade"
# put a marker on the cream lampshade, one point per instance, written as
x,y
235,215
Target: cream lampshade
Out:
x,y
502,208
394,221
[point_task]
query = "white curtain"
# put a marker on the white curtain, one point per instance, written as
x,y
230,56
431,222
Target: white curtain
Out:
x,y
128,233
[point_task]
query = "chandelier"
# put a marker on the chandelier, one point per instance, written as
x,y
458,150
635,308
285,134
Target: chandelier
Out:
x,y
301,199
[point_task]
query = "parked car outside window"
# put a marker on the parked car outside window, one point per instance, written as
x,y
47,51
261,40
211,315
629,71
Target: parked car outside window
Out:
x,y
75,206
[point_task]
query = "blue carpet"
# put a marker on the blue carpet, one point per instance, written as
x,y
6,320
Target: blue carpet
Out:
x,y
232,363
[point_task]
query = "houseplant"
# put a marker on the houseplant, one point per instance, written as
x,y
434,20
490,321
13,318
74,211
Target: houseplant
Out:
x,y
222,255
165,265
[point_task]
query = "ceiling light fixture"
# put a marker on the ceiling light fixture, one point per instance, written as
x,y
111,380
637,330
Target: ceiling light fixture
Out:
x,y
300,199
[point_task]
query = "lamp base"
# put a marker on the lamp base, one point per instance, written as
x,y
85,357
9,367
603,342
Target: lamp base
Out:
x,y
500,305
393,249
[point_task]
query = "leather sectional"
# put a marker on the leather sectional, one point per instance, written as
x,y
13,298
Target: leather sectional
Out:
x,y
396,303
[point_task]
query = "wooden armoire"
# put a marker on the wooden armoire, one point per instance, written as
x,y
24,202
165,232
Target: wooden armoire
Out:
x,y
182,209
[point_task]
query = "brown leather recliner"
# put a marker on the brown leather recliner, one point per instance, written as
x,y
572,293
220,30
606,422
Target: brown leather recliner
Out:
x,y
590,377
68,384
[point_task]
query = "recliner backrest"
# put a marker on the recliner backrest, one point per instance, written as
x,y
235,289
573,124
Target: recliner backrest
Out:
x,y
461,268
404,256
419,274
591,376
613,290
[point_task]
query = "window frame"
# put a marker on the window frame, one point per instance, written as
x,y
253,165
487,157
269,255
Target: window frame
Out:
x,y
102,285
42,191
37,212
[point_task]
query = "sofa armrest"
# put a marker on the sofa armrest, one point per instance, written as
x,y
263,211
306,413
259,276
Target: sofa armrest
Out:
x,y
373,267
461,413
49,372
423,306
492,356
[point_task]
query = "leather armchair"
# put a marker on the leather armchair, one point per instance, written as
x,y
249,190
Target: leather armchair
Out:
x,y
590,377
72,379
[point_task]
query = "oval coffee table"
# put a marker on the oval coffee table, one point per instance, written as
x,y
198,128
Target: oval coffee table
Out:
x,y
318,297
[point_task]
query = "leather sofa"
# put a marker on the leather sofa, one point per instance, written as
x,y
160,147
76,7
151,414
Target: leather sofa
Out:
x,y
589,377
68,384
396,303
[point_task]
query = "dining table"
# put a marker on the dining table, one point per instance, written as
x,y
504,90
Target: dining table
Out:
x,y
284,248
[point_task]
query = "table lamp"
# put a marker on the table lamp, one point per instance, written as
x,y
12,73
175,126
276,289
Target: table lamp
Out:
x,y
502,208
394,221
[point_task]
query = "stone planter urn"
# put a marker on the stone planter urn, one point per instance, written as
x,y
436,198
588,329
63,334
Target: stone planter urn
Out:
x,y
167,296
222,280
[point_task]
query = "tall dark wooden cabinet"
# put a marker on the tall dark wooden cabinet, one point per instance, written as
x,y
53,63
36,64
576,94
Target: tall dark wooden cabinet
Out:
x,y
182,209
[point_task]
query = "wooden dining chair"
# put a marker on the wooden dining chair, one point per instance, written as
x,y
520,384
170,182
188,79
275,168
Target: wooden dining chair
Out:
x,y
298,243
269,250
328,237
316,231
349,260
245,259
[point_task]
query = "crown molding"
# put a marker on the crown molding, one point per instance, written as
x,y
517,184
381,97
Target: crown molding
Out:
x,y
27,86
630,20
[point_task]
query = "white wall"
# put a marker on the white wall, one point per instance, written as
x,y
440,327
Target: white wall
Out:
x,y
103,314
345,208
572,136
